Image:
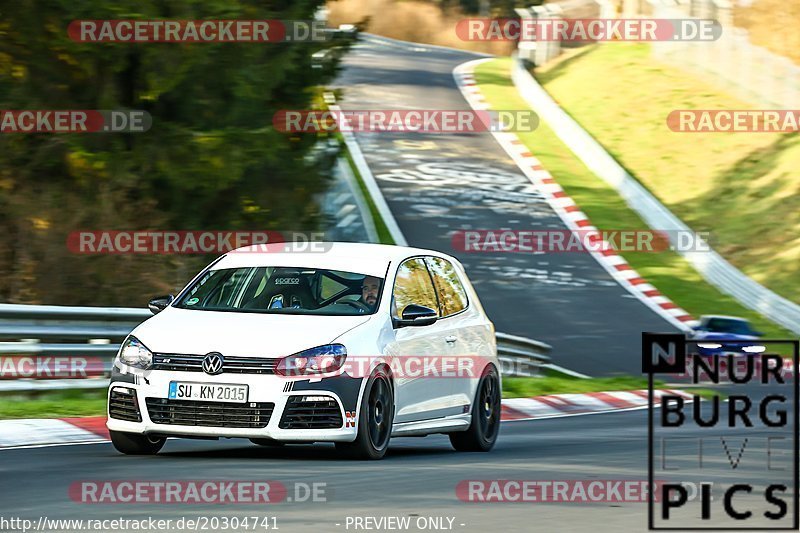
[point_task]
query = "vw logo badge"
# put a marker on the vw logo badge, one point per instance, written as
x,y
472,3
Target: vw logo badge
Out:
x,y
212,363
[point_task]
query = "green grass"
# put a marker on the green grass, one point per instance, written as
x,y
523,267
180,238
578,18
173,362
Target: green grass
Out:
x,y
667,271
743,187
558,383
526,387
54,404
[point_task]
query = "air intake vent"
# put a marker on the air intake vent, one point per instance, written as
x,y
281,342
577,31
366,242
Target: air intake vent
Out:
x,y
122,405
311,412
209,414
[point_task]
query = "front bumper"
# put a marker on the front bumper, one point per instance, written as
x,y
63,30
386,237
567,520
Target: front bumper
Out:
x,y
162,417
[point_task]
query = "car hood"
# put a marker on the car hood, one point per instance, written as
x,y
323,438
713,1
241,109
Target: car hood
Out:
x,y
240,334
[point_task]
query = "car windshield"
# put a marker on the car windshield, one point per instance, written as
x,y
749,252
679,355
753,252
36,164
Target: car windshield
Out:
x,y
726,325
283,290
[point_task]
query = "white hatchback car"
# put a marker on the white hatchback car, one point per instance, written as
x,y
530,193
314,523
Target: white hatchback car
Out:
x,y
354,345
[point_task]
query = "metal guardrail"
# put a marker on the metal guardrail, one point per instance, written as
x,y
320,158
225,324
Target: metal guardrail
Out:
x,y
54,331
520,356
50,331
68,313
712,266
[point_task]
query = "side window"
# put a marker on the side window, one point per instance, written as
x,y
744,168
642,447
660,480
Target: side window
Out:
x,y
452,296
412,286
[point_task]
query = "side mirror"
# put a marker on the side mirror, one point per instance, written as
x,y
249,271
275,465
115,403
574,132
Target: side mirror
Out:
x,y
160,303
417,315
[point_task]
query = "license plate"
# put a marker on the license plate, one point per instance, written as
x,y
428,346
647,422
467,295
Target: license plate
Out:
x,y
207,392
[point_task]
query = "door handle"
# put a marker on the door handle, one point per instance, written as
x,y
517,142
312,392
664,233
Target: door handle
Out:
x,y
450,339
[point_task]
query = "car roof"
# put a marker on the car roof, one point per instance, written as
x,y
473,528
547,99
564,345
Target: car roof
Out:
x,y
725,317
360,258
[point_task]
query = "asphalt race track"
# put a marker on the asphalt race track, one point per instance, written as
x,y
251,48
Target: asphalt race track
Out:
x,y
439,183
418,478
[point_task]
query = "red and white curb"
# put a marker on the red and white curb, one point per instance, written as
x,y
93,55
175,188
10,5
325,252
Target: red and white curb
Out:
x,y
567,209
558,405
36,432
87,430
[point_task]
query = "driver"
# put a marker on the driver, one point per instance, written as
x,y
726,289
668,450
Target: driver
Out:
x,y
369,291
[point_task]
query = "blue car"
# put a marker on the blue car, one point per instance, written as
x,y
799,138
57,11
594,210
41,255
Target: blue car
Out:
x,y
712,331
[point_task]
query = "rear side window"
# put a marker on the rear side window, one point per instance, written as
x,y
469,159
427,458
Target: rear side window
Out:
x,y
412,286
451,293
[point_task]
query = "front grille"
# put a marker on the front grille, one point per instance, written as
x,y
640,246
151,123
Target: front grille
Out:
x,y
304,413
232,365
122,405
209,414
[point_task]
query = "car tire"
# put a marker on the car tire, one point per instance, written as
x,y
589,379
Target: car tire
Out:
x,y
135,444
485,425
267,442
376,416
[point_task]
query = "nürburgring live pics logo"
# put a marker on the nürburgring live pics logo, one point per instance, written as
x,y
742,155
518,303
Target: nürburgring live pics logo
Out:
x,y
737,441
